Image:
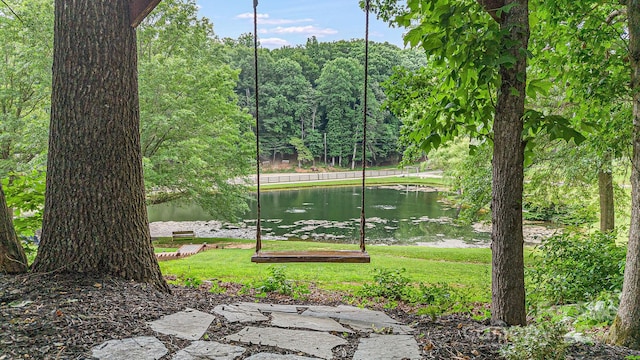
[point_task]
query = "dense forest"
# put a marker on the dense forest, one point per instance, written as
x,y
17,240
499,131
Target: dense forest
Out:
x,y
311,99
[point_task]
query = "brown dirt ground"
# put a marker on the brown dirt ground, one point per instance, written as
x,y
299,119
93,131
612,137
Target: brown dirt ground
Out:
x,y
64,316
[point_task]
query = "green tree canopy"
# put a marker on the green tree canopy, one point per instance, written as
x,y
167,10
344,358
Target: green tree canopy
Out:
x,y
195,138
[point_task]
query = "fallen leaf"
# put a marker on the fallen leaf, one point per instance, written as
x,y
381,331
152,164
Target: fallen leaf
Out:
x,y
429,347
97,285
19,304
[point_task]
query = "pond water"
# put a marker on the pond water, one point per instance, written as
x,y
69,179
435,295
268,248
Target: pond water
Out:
x,y
394,215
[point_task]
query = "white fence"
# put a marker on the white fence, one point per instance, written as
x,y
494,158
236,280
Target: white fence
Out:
x,y
280,178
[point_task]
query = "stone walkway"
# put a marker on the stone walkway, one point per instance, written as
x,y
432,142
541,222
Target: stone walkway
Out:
x,y
306,332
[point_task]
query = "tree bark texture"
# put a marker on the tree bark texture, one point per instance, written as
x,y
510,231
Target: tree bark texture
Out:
x,y
508,295
95,218
12,257
625,329
605,192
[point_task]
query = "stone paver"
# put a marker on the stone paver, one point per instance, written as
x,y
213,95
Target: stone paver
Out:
x,y
209,350
310,342
284,320
141,348
189,324
388,347
306,333
269,308
349,312
240,313
270,356
365,326
359,319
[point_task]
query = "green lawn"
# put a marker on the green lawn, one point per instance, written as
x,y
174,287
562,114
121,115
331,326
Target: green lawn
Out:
x,y
164,249
467,268
393,180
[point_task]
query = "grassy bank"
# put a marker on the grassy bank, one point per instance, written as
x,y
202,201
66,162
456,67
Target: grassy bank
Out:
x,y
393,180
464,268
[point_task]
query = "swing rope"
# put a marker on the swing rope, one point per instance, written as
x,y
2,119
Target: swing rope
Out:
x,y
360,256
364,123
255,64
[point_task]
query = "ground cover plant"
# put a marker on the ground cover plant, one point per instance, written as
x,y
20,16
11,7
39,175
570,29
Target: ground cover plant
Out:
x,y
544,341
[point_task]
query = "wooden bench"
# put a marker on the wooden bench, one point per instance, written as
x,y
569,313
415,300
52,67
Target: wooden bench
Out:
x,y
183,235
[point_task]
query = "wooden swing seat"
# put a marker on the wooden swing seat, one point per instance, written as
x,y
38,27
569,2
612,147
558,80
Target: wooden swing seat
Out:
x,y
336,256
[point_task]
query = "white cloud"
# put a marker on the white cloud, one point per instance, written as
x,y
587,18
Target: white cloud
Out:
x,y
250,16
282,21
307,30
265,20
273,42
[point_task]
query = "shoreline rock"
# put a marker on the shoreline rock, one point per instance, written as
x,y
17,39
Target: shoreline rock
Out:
x,y
534,233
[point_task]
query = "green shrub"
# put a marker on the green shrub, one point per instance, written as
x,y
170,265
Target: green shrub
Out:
x,y
599,312
216,288
389,284
440,298
575,267
278,282
544,341
192,282
25,195
394,286
565,214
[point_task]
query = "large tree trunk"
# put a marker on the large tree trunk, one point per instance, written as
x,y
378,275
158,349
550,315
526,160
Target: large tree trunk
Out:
x,y
605,192
95,219
508,295
12,257
625,330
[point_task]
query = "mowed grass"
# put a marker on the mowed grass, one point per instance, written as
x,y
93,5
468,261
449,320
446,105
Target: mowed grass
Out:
x,y
465,268
164,249
391,180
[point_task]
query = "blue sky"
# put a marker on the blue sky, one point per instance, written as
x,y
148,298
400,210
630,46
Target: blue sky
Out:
x,y
291,22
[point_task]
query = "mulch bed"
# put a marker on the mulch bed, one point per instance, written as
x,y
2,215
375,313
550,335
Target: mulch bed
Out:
x,y
64,316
